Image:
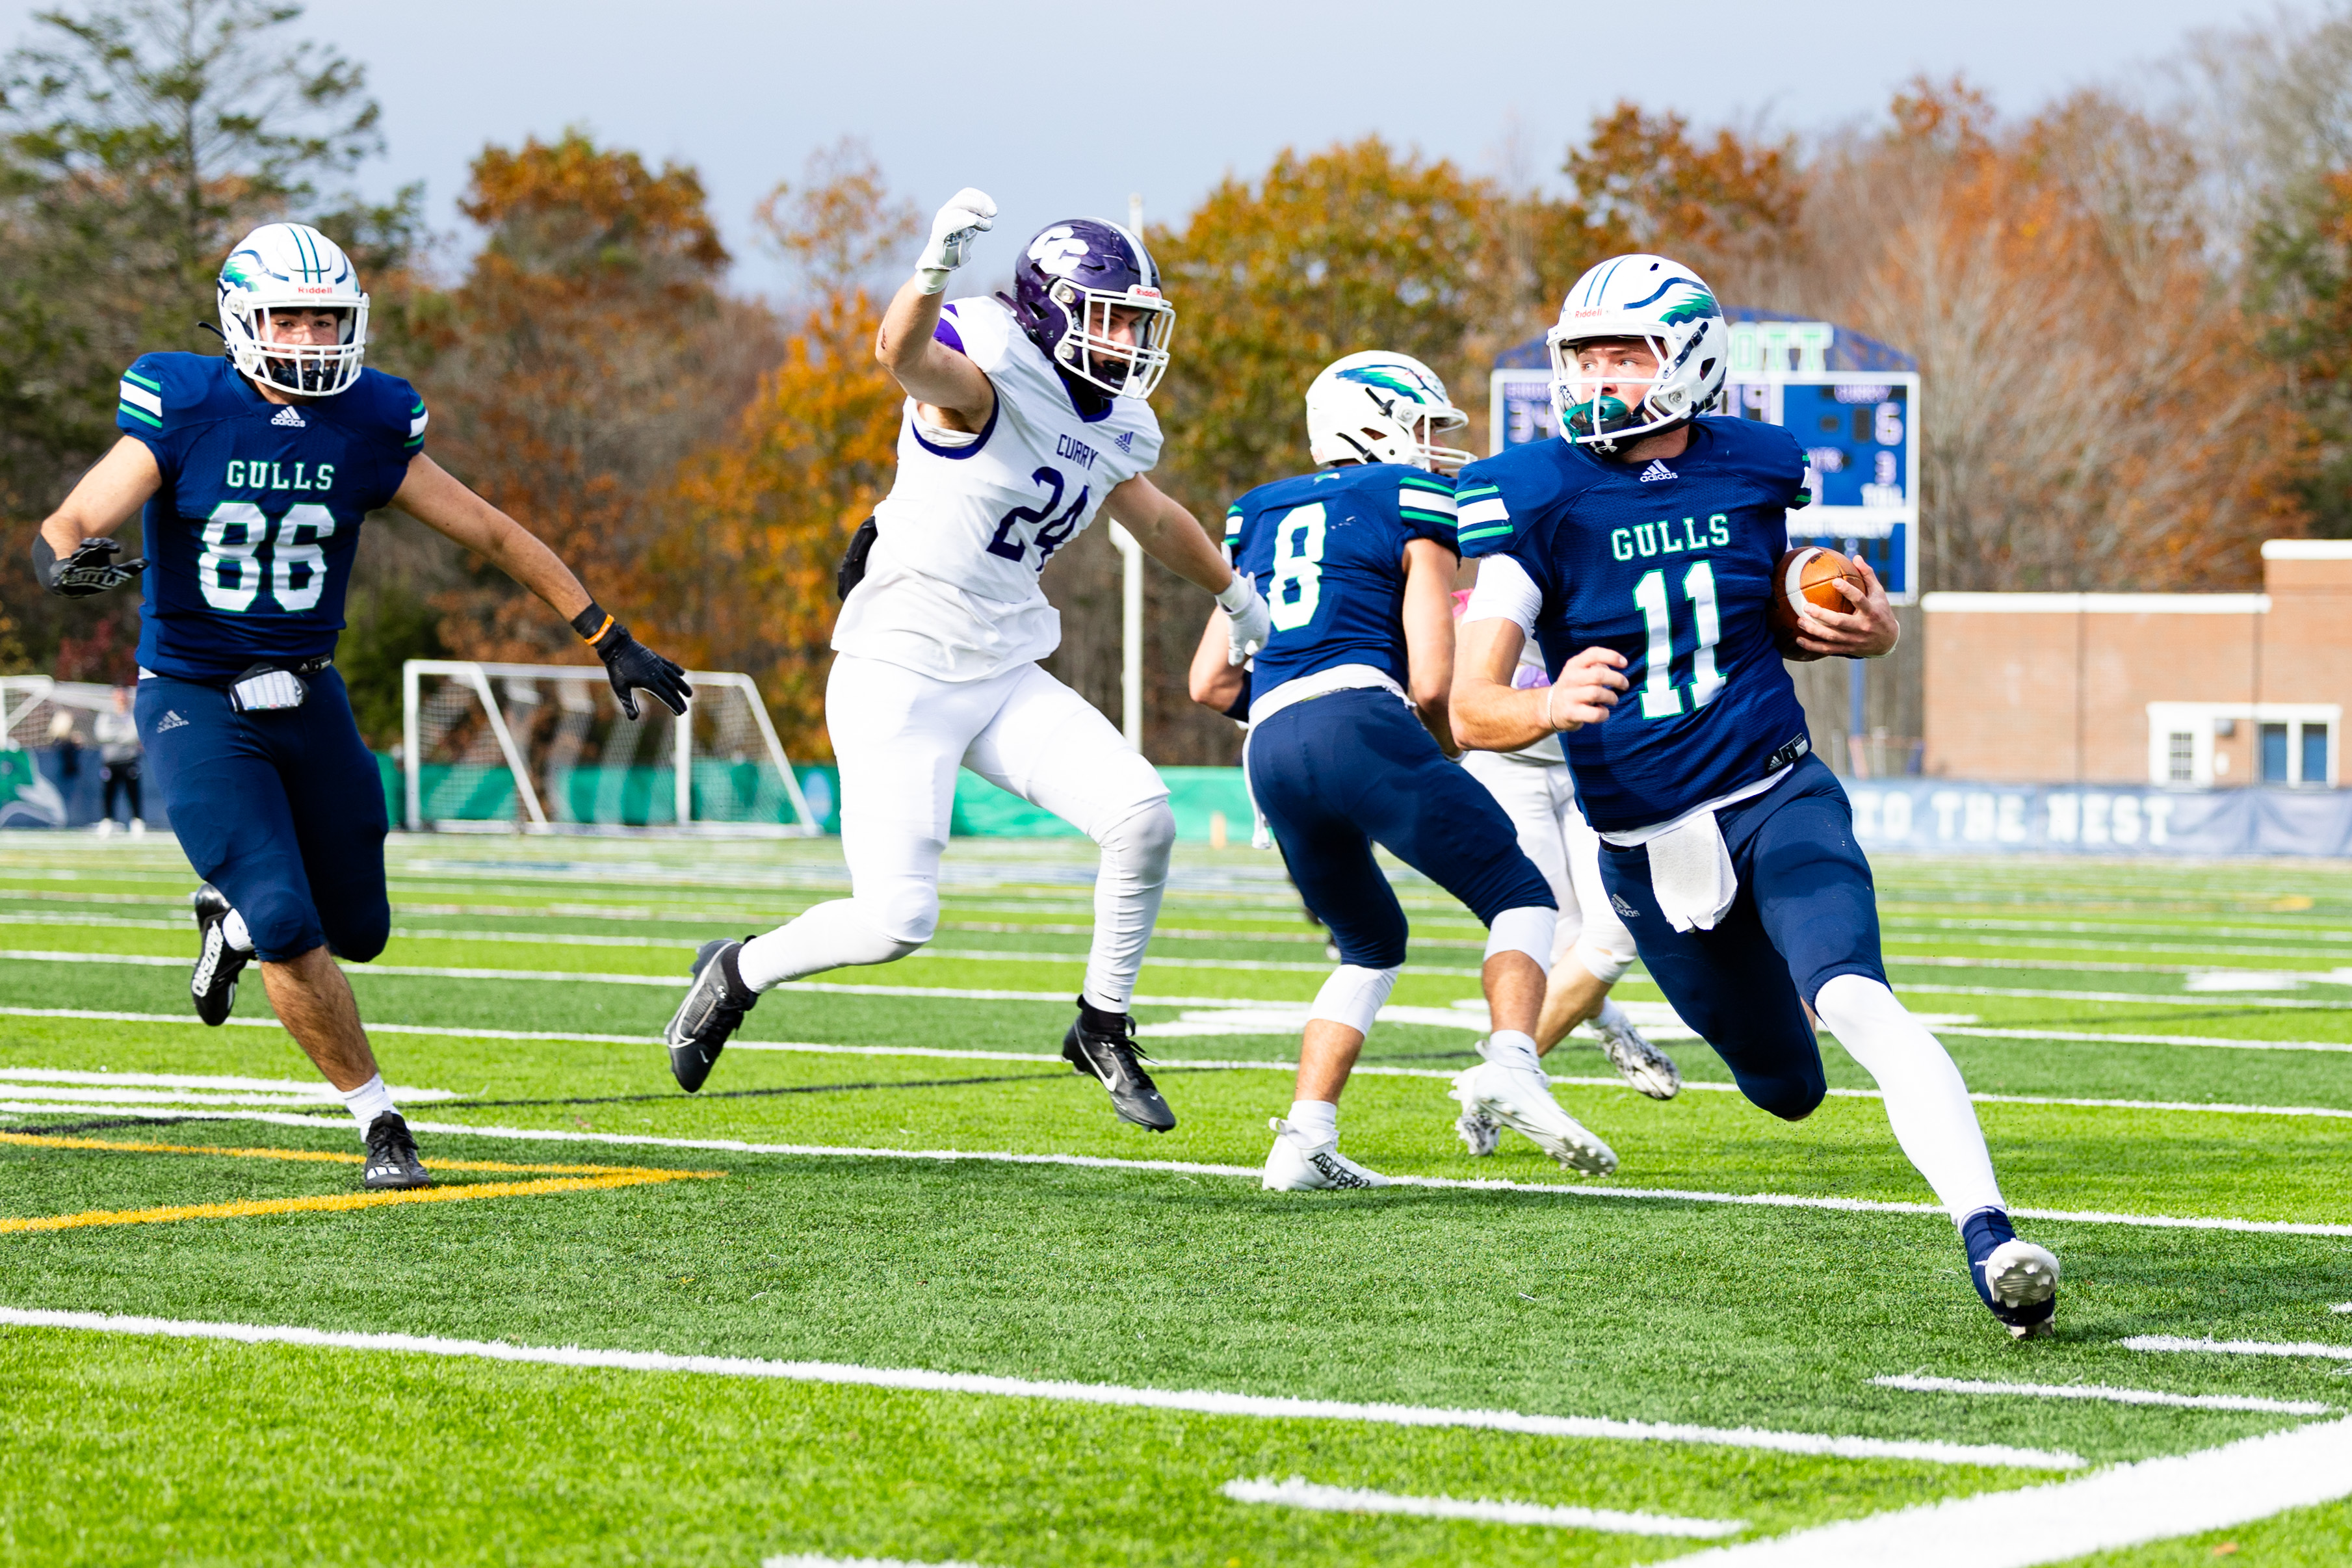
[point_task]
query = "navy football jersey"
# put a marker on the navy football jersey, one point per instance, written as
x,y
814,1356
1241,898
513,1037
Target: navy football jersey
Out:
x,y
1326,552
1671,564
249,539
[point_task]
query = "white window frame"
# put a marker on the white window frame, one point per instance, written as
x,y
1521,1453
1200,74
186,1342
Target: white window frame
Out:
x,y
2197,720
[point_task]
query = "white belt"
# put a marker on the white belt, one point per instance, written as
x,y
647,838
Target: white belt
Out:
x,y
1322,683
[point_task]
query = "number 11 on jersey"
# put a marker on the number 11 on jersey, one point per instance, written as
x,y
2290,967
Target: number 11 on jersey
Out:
x,y
1660,699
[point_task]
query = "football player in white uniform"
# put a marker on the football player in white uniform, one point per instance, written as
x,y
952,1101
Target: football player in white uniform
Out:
x,y
1024,417
1590,946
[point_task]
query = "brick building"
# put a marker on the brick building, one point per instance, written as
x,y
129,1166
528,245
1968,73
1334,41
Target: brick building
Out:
x,y
2162,688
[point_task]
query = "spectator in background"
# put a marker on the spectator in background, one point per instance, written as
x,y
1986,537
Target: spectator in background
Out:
x,y
116,734
65,743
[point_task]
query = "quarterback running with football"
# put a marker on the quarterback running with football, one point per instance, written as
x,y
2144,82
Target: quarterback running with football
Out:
x,y
1349,745
255,472
1638,550
1025,418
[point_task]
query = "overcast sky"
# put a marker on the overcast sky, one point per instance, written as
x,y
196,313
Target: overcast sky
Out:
x,y
1062,109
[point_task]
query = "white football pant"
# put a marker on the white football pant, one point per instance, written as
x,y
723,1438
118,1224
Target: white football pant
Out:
x,y
1540,801
900,737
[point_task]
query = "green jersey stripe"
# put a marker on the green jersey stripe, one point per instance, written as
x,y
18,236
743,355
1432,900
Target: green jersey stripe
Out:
x,y
135,376
139,414
1414,514
1425,482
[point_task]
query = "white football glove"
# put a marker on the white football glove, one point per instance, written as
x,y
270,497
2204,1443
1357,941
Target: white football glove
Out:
x,y
1248,623
968,215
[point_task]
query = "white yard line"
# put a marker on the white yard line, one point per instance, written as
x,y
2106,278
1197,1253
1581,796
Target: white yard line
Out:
x,y
1202,1401
1300,1492
2224,1042
2107,1396
2128,1505
2311,1349
2341,1307
1252,1172
1362,1069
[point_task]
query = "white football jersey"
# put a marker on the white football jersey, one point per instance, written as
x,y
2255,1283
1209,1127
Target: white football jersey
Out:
x,y
950,588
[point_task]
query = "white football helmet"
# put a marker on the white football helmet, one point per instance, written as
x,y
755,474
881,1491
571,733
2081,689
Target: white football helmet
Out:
x,y
286,266
1381,407
1650,299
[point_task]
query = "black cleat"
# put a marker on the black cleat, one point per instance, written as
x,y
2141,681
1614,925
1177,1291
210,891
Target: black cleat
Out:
x,y
213,983
1102,1045
713,1010
391,1163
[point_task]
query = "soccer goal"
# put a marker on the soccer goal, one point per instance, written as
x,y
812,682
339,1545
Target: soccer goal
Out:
x,y
544,747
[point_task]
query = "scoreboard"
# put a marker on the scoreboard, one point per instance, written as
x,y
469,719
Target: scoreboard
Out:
x,y
1860,432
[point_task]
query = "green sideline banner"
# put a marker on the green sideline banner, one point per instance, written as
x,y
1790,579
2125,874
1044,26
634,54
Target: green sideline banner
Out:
x,y
642,797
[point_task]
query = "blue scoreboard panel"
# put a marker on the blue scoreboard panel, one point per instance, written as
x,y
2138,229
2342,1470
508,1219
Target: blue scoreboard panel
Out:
x,y
1860,432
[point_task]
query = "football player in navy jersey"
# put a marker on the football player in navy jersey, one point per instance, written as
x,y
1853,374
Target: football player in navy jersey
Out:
x,y
1349,747
255,472
1638,550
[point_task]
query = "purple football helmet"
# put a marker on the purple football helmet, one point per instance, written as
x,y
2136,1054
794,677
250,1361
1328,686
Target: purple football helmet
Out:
x,y
1072,285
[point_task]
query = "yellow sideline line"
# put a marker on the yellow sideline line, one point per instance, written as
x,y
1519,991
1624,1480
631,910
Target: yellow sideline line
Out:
x,y
561,1179
337,1202
330,1157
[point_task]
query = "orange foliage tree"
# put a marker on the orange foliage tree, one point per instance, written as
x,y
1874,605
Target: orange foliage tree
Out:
x,y
589,350
2097,411
760,518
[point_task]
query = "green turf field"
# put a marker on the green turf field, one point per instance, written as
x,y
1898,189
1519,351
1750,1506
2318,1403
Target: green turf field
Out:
x,y
898,1285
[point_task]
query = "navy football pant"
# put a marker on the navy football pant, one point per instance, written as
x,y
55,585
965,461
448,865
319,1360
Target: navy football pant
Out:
x,y
1338,773
282,811
1806,913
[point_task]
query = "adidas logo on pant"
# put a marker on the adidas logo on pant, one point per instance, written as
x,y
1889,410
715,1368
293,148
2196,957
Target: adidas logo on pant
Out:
x,y
170,720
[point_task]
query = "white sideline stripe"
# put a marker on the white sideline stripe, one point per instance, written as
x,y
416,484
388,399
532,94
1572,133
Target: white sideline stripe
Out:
x,y
2105,1394
2310,1348
1361,1069
1206,1402
673,981
2127,1505
1300,1492
1247,1173
2221,1041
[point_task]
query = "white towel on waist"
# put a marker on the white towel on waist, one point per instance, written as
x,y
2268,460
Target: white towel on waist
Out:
x,y
1690,871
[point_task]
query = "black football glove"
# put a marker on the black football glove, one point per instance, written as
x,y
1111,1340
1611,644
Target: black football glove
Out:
x,y
91,569
631,664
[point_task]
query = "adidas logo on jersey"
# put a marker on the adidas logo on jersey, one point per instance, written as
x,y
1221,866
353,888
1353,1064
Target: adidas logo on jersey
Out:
x,y
170,720
1650,475
1126,440
288,417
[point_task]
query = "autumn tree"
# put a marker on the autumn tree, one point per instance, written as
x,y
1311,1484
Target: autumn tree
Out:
x,y
138,141
589,350
760,519
2097,411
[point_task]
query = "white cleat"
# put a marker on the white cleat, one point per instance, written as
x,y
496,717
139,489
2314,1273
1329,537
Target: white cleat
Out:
x,y
1295,1165
2023,1278
1521,1101
1638,1062
1480,1133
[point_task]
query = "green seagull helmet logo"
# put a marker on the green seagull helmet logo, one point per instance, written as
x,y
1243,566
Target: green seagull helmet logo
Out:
x,y
1698,308
1393,380
237,271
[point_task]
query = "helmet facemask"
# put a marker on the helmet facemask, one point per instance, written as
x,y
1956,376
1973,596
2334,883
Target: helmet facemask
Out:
x,y
302,370
1591,417
1089,352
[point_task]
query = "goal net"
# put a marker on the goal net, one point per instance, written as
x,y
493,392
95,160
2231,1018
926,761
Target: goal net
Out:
x,y
545,747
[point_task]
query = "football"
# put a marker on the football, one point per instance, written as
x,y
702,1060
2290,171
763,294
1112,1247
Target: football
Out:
x,y
1812,573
